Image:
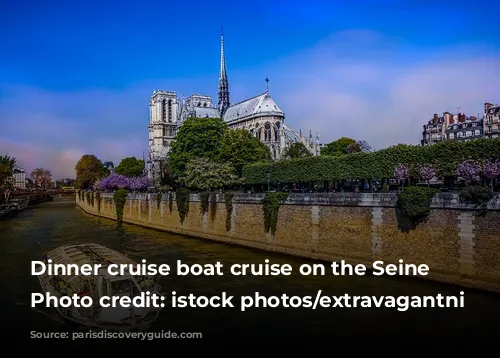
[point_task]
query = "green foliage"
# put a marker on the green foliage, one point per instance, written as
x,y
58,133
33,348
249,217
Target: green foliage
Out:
x,y
271,204
182,199
130,167
170,202
239,147
204,174
337,147
228,198
196,138
167,181
120,198
7,166
296,150
385,188
98,198
478,195
444,156
204,196
415,201
158,199
89,170
213,205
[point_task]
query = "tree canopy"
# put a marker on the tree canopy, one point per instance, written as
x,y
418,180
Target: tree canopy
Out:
x,y
344,146
196,138
296,150
7,166
130,167
205,174
41,177
89,170
239,147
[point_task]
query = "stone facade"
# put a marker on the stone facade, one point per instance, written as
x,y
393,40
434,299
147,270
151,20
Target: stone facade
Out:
x,y
458,246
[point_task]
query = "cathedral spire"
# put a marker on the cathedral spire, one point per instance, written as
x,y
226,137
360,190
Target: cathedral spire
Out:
x,y
223,93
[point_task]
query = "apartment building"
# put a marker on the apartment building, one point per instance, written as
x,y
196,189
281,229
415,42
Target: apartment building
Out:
x,y
491,122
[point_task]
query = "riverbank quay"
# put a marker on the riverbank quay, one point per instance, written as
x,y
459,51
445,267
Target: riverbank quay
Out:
x,y
458,241
18,204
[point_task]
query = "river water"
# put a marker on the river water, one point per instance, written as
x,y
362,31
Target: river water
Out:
x,y
40,229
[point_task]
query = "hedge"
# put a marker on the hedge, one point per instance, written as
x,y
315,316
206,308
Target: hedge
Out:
x,y
445,156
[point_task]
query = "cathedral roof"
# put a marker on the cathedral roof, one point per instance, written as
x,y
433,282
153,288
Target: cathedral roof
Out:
x,y
206,112
256,106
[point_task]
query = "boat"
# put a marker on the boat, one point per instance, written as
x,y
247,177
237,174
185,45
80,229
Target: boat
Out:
x,y
100,284
19,204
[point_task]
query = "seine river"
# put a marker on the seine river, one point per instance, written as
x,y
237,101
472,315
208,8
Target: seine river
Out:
x,y
40,229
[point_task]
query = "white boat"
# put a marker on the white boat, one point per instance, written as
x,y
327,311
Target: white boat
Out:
x,y
19,204
97,286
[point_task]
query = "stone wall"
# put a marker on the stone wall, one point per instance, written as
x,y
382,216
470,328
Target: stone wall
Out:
x,y
459,246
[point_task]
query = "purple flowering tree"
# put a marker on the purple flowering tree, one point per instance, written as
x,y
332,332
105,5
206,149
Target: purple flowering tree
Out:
x,y
491,171
401,173
139,183
469,170
427,172
113,182
117,181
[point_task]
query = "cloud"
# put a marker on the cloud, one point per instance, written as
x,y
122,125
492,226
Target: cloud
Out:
x,y
346,88
358,84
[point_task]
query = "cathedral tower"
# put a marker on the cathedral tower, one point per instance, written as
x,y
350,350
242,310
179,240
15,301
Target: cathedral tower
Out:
x,y
223,93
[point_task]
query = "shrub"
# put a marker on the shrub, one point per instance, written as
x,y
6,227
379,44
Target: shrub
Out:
x,y
229,209
158,199
271,204
204,196
182,199
120,198
415,202
477,195
444,157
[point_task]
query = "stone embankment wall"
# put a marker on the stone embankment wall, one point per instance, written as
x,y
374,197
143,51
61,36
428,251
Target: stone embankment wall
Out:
x,y
459,246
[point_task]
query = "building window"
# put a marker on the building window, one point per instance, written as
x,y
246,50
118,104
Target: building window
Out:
x,y
170,110
164,110
267,132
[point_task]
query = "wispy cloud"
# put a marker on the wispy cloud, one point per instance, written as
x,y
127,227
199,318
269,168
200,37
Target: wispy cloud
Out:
x,y
357,84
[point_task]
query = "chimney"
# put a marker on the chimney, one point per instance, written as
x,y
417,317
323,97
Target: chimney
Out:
x,y
487,106
435,119
448,118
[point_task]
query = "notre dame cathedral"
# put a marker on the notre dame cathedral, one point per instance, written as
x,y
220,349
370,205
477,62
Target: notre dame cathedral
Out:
x,y
259,114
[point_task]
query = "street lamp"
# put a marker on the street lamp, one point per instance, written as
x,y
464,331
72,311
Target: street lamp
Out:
x,y
268,178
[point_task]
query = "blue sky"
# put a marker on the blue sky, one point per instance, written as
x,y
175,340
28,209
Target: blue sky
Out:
x,y
75,77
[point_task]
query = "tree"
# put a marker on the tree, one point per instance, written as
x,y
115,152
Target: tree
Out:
x,y
337,147
205,174
345,145
167,181
42,178
296,150
130,167
7,166
359,146
239,147
196,138
89,170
